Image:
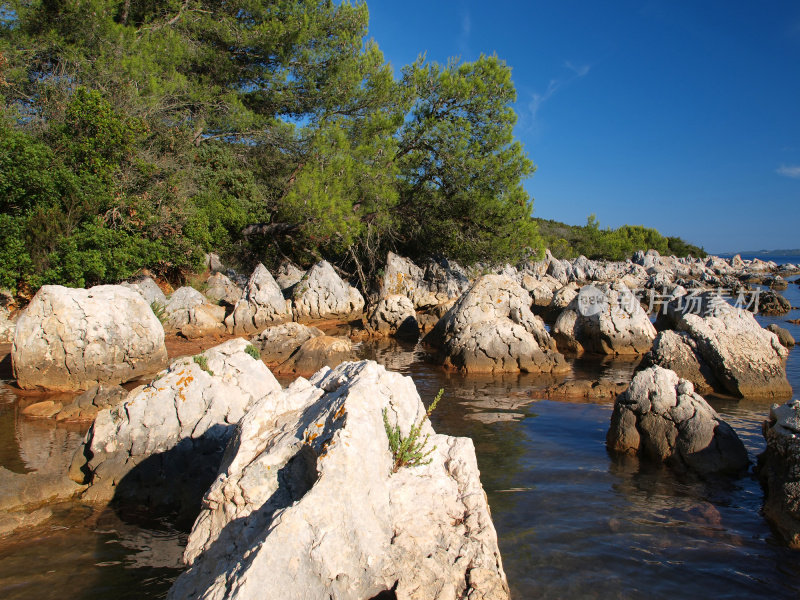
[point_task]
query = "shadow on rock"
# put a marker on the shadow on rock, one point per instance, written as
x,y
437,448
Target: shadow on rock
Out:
x,y
171,484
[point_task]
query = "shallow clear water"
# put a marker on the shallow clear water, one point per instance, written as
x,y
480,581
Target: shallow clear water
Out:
x,y
572,521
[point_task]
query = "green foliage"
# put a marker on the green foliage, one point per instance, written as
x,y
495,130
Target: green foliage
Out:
x,y
568,241
142,133
201,360
159,310
253,351
461,169
409,451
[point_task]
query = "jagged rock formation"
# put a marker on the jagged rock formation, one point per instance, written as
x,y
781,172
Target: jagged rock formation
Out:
x,y
306,504
491,329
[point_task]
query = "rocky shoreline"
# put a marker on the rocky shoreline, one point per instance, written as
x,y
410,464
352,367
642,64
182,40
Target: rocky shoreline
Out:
x,y
212,437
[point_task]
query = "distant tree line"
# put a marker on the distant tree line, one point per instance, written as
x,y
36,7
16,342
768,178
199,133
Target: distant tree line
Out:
x,y
570,241
143,133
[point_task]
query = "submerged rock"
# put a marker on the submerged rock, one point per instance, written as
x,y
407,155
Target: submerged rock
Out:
x,y
779,470
162,446
322,294
615,322
261,305
315,353
83,408
492,329
661,418
71,339
586,389
306,503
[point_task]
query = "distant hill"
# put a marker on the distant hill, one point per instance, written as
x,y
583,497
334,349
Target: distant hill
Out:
x,y
569,241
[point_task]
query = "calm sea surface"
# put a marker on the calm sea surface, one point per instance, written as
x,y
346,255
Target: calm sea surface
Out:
x,y
572,521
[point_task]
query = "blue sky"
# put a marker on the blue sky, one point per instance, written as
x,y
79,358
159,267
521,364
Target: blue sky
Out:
x,y
684,116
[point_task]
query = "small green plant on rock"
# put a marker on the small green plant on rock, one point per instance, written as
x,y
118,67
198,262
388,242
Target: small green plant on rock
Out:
x,y
409,451
158,310
201,360
253,351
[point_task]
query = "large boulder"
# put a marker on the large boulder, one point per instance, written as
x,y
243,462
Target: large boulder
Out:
x,y
7,326
306,503
322,294
784,337
394,316
279,342
163,445
604,319
779,470
561,299
205,319
492,329
71,339
288,275
662,419
262,304
747,360
771,303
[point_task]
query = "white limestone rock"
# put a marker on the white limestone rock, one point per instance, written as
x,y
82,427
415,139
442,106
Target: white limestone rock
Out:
x,y
322,294
306,504
162,446
72,339
262,305
621,327
492,329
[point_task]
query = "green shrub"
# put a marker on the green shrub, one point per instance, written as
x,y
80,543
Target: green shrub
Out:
x,y
253,351
409,451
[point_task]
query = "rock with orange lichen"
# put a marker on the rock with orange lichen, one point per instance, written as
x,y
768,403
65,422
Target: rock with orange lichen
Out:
x,y
162,446
306,505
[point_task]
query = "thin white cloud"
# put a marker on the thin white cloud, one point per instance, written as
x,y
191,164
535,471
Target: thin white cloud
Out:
x,y
466,29
789,171
579,70
466,24
537,99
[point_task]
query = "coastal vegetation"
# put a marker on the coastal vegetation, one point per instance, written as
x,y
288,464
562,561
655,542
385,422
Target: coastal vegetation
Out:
x,y
141,134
